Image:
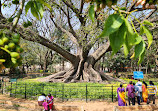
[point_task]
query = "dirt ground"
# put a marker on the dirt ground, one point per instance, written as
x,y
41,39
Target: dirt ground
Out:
x,y
89,106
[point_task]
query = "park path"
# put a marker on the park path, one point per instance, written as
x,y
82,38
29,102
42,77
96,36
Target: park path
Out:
x,y
90,106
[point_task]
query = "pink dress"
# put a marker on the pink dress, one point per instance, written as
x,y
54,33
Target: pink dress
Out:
x,y
45,105
50,101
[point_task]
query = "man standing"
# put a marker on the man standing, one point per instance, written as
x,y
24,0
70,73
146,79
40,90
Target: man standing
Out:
x,y
131,93
139,85
137,93
151,92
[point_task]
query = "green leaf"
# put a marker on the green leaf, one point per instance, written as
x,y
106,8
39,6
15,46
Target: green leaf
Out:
x,y
141,57
46,4
91,13
29,23
39,8
141,30
112,24
149,35
146,22
130,33
139,49
28,6
11,19
117,38
34,11
138,38
126,48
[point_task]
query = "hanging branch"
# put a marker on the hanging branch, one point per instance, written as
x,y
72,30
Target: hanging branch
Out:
x,y
18,16
0,8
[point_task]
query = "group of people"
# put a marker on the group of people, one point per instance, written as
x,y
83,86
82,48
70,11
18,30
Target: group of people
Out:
x,y
139,91
46,101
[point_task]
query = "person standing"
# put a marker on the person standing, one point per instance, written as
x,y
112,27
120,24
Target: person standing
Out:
x,y
139,84
131,93
121,96
144,91
151,92
137,93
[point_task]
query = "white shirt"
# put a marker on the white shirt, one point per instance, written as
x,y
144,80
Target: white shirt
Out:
x,y
41,98
155,89
139,84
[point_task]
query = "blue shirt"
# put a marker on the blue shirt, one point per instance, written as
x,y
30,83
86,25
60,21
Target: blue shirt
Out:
x,y
136,88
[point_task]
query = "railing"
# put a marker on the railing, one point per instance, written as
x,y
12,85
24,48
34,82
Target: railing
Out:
x,y
64,92
61,91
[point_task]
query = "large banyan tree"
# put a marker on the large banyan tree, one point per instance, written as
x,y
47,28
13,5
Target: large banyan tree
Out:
x,y
84,31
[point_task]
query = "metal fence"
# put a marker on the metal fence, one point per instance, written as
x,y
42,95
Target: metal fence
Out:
x,y
64,92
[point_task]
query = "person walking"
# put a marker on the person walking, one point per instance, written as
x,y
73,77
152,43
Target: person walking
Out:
x,y
121,96
137,93
131,93
151,92
144,91
139,84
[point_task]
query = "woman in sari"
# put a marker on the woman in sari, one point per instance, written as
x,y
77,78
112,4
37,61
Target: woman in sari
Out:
x,y
121,96
144,91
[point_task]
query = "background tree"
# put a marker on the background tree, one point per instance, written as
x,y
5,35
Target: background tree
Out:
x,y
85,35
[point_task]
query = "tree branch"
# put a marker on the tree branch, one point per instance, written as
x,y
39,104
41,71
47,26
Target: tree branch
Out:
x,y
76,11
70,5
81,6
0,8
18,15
32,36
150,14
141,9
101,51
71,28
65,31
126,2
60,8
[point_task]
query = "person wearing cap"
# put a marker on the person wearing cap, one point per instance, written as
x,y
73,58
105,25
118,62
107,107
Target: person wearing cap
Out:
x,y
131,93
121,96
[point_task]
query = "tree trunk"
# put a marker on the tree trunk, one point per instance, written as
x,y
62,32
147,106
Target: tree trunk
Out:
x,y
83,71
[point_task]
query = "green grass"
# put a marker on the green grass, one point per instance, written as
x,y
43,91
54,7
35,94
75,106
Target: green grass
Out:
x,y
32,88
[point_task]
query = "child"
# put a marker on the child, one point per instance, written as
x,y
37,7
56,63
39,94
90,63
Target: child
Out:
x,y
49,100
45,105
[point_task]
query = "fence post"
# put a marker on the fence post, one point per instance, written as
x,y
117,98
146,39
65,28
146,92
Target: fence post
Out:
x,y
2,87
15,89
11,90
25,90
86,92
112,94
63,93
43,89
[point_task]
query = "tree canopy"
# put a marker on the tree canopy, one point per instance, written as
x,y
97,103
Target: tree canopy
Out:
x,y
119,25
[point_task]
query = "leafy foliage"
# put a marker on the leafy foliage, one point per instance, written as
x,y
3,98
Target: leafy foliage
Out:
x,y
37,8
121,33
